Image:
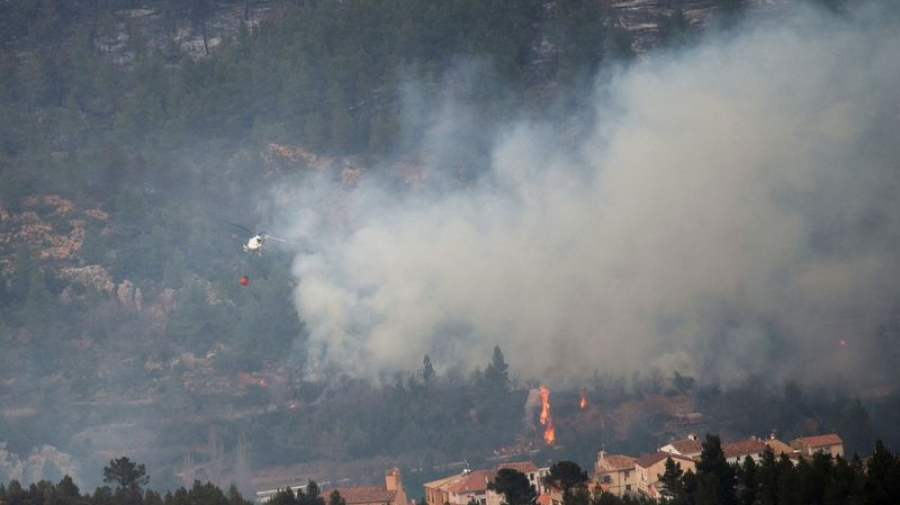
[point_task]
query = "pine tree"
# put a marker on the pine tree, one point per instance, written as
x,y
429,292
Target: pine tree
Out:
x,y
715,477
126,473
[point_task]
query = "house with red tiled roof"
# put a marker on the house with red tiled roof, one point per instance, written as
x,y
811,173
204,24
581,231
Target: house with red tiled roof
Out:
x,y
460,489
472,487
534,474
650,467
531,471
778,447
829,443
736,452
690,447
392,493
437,492
615,473
521,466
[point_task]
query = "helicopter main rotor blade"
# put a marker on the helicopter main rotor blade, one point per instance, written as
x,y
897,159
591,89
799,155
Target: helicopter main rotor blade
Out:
x,y
243,228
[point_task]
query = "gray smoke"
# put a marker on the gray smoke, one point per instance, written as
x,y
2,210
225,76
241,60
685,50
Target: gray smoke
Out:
x,y
734,209
532,409
44,463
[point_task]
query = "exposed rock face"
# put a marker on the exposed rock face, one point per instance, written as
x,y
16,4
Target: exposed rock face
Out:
x,y
165,302
163,24
92,276
158,309
297,154
53,228
130,296
49,224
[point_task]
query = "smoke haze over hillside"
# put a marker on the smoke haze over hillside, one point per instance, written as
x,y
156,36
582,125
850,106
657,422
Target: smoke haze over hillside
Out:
x,y
734,209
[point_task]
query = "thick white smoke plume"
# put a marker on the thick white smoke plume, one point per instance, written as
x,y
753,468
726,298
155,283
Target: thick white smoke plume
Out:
x,y
44,463
734,209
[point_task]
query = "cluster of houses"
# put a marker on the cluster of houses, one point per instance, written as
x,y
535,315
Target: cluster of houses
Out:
x,y
617,473
621,474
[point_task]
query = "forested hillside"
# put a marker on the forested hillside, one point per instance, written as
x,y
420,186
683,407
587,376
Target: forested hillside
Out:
x,y
133,135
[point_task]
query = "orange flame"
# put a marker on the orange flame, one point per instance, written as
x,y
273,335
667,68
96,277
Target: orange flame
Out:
x,y
583,401
545,405
546,418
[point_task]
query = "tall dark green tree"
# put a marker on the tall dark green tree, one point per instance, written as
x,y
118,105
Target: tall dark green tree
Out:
x,y
813,475
67,492
715,477
673,483
846,482
312,495
566,476
766,480
427,370
882,484
747,482
787,488
855,426
283,497
126,473
496,375
514,487
335,498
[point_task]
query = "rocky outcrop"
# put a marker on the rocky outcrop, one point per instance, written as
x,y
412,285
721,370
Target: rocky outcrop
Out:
x,y
129,296
92,276
50,225
52,228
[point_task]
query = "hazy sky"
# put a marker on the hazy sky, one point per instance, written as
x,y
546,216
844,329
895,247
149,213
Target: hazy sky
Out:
x,y
733,209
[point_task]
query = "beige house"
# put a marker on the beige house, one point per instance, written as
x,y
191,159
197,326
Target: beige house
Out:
x,y
690,447
472,487
778,447
535,475
830,443
460,489
737,452
437,491
650,467
532,473
615,473
553,496
392,493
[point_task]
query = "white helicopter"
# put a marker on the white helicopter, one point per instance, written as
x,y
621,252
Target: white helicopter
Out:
x,y
257,239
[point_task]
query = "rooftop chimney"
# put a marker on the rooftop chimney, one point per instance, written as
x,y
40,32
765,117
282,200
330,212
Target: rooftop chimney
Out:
x,y
392,479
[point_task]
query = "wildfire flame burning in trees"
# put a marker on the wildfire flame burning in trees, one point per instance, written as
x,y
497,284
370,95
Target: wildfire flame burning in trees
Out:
x,y
546,418
583,401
